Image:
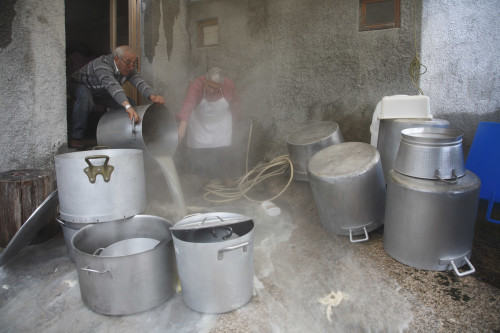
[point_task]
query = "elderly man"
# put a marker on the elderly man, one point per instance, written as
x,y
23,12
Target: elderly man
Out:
x,y
100,82
210,108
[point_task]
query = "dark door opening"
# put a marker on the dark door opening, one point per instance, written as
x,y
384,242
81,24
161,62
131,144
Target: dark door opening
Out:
x,y
88,35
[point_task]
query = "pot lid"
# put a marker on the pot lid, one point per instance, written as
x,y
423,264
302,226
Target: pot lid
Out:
x,y
432,135
30,228
209,220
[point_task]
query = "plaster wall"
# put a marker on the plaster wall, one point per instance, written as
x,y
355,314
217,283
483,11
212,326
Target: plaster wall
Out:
x,y
165,47
294,62
460,48
33,94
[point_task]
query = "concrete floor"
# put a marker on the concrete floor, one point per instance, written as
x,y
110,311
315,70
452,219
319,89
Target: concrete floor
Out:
x,y
296,263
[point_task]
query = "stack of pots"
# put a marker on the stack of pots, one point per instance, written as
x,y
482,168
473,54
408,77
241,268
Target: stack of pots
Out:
x,y
100,194
214,254
389,137
431,202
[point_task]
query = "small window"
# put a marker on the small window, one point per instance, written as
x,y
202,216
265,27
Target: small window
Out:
x,y
208,32
378,14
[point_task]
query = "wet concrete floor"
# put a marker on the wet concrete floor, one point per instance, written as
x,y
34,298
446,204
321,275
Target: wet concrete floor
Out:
x,y
296,265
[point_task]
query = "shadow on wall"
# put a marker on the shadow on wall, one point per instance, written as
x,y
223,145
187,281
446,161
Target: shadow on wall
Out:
x,y
467,123
354,125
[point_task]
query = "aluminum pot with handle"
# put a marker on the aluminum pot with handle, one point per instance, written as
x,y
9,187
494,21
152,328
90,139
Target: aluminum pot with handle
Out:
x,y
102,185
431,153
125,284
429,224
214,254
389,137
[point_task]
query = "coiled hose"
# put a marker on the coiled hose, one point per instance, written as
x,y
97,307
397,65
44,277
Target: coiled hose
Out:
x,y
222,193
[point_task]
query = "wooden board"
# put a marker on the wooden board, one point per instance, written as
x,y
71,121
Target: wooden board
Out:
x,y
21,192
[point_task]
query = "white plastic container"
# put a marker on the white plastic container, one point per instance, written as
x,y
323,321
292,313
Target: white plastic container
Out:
x,y
270,208
404,106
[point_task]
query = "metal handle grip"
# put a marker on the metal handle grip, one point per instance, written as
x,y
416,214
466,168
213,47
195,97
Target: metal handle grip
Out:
x,y
470,271
92,170
358,240
243,245
451,181
133,130
89,270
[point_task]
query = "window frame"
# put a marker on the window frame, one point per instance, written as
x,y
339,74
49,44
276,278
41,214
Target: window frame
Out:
x,y
201,36
387,25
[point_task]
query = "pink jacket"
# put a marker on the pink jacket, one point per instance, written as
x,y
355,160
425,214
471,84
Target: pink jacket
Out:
x,y
195,95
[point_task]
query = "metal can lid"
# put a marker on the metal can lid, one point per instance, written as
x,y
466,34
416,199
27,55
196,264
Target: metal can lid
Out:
x,y
209,220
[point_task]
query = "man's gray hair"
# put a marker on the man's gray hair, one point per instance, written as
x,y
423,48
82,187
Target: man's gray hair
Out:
x,y
215,74
120,50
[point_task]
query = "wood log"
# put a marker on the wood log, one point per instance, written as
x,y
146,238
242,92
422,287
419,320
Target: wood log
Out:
x,y
21,192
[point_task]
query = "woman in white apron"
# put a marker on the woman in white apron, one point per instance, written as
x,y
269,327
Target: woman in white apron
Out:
x,y
207,119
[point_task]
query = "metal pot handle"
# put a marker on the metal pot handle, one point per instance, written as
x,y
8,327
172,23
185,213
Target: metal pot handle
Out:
x,y
133,130
89,270
244,245
358,240
98,251
100,147
470,271
92,171
451,181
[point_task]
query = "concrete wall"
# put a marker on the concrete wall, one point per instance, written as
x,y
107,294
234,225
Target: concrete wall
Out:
x,y
460,47
165,45
33,94
294,62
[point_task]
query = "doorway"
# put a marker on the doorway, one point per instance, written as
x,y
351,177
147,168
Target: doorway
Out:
x,y
95,28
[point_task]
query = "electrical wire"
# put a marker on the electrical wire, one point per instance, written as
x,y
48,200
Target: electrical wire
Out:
x,y
224,193
415,65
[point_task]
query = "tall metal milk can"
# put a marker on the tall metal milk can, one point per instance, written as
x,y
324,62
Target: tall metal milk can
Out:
x,y
431,202
348,187
307,141
389,137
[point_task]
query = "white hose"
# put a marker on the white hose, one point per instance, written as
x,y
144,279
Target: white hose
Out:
x,y
277,166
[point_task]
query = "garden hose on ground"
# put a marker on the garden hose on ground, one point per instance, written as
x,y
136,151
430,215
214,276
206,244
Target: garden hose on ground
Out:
x,y
242,185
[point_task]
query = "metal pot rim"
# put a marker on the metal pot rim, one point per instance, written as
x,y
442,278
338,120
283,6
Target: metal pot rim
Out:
x,y
432,135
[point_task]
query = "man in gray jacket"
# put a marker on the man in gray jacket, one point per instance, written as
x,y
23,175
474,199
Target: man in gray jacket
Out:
x,y
100,82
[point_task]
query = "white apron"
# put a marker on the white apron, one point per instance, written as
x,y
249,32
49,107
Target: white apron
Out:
x,y
210,125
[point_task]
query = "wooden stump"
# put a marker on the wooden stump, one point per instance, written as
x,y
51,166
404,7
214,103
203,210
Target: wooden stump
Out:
x,y
21,192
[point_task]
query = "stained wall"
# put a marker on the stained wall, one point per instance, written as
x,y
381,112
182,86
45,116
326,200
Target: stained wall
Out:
x,y
33,94
460,48
294,62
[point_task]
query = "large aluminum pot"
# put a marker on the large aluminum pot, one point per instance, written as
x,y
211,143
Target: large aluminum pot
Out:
x,y
121,285
307,141
156,132
101,185
348,187
389,137
69,230
430,224
431,153
215,266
